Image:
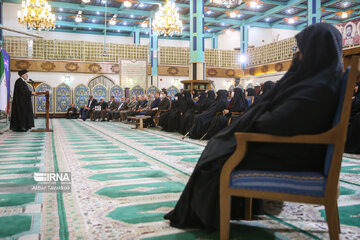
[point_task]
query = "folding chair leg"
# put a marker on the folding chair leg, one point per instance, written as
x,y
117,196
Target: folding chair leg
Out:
x,y
248,208
225,209
186,135
332,217
203,136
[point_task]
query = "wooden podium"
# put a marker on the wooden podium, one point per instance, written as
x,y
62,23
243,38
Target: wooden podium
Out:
x,y
199,85
47,113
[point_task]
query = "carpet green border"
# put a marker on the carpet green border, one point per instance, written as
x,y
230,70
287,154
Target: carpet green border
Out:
x,y
63,230
142,152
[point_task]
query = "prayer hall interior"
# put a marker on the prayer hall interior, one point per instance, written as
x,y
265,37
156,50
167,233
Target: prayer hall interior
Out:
x,y
180,119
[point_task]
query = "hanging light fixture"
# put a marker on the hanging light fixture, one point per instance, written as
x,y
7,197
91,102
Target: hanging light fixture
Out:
x,y
226,3
112,21
167,20
127,4
37,15
78,17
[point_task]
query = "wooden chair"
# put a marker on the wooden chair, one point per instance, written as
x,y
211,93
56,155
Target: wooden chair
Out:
x,y
250,100
260,184
157,116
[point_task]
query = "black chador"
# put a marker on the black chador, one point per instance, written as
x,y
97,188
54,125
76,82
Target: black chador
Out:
x,y
22,117
174,120
353,134
237,104
203,120
187,119
304,101
165,116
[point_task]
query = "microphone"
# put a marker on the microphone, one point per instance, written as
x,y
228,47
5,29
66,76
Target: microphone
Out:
x,y
30,80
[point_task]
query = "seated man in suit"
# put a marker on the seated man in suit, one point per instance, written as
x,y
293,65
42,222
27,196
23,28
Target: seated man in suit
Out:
x,y
101,108
113,106
90,106
131,107
163,104
72,112
143,105
123,106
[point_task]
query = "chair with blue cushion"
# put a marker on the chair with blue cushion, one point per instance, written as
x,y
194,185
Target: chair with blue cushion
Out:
x,y
250,100
306,187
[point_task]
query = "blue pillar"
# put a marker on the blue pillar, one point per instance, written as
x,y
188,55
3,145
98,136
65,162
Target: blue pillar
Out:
x,y
214,41
244,42
197,43
313,11
153,54
244,38
136,36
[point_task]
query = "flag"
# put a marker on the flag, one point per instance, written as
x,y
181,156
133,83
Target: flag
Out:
x,y
4,82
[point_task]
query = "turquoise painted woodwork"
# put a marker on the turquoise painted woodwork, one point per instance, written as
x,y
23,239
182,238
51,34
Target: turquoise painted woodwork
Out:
x,y
100,91
81,95
137,90
172,91
197,42
40,100
152,90
117,92
62,98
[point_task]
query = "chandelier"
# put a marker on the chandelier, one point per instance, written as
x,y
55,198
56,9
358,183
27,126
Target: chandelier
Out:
x,y
36,14
226,3
167,20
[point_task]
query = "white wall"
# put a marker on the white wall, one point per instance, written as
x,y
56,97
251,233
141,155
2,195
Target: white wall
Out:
x,y
257,37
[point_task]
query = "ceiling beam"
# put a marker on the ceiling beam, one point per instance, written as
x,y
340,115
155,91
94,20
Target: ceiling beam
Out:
x,y
272,11
92,8
112,27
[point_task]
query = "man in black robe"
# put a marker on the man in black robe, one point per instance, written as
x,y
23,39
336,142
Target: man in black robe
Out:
x,y
304,101
22,117
72,112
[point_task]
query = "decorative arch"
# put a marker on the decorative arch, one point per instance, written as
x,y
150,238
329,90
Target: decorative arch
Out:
x,y
62,98
117,92
172,91
152,90
136,90
101,79
99,91
81,95
40,100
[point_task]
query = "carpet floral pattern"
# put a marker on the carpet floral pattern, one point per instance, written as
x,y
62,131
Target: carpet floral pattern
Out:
x,y
125,180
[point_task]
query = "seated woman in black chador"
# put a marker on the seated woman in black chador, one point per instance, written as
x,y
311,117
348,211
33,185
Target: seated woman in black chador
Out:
x,y
202,121
353,134
164,117
175,114
237,104
187,119
304,101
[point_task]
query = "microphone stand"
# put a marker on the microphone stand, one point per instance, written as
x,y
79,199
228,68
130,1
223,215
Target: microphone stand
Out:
x,y
32,83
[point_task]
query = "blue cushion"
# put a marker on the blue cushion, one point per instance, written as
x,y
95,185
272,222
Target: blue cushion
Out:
x,y
304,183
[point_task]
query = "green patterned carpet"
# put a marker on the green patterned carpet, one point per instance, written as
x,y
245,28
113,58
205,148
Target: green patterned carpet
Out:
x,y
125,180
